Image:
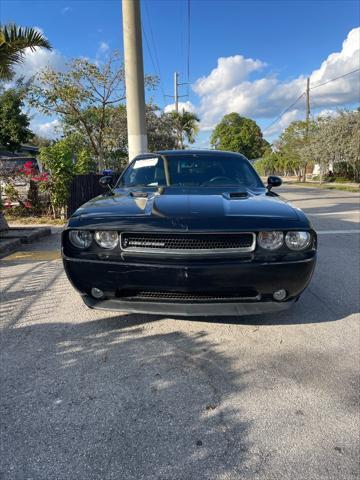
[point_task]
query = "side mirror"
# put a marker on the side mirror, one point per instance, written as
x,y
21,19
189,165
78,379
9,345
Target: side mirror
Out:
x,y
273,181
106,181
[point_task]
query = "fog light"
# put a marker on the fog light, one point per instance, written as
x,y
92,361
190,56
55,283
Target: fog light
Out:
x,y
279,295
97,293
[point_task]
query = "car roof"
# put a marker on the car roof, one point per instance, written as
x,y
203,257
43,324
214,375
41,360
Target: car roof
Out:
x,y
207,152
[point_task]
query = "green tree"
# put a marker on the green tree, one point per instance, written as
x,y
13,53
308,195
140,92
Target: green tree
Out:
x,y
14,124
294,145
39,141
161,130
58,161
84,162
335,141
14,41
331,142
269,164
82,155
239,134
185,125
86,98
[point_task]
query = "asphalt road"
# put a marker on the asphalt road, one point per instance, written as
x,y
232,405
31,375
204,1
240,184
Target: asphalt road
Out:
x,y
91,395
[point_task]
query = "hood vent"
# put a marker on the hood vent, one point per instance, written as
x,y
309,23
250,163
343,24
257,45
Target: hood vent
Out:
x,y
139,194
237,195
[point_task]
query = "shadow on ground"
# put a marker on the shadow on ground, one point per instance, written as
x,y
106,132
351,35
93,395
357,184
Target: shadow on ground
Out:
x,y
111,399
97,401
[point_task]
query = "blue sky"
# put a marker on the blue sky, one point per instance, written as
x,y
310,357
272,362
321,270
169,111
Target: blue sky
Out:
x,y
267,50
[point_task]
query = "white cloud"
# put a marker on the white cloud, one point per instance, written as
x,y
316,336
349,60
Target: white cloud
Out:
x,y
230,71
39,59
284,122
103,47
36,60
101,53
187,106
66,10
228,87
51,129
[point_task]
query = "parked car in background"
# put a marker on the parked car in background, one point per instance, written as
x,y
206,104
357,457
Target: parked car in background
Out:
x,y
189,233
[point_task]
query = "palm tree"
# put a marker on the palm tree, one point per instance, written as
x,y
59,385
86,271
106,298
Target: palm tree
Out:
x,y
186,126
14,41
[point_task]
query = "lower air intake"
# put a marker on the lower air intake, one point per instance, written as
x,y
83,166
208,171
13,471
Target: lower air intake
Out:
x,y
192,297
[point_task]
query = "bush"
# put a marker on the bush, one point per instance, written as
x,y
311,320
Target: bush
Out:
x,y
57,159
84,163
18,211
342,179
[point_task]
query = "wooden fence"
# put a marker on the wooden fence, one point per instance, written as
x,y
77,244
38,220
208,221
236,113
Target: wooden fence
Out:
x,y
84,188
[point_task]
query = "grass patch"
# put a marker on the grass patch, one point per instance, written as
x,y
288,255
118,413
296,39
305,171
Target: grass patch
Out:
x,y
35,220
326,186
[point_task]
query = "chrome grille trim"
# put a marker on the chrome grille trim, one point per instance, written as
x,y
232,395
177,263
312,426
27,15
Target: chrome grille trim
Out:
x,y
161,249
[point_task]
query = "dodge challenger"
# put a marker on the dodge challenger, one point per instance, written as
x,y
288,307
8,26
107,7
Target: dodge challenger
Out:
x,y
186,233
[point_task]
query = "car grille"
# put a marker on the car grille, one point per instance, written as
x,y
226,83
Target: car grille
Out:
x,y
188,297
187,242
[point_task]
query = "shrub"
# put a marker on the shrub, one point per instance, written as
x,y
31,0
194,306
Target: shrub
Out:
x,y
57,159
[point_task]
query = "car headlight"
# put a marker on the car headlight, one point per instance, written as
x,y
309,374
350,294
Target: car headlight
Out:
x,y
270,240
107,239
80,238
297,240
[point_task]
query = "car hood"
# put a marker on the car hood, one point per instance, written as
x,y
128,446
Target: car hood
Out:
x,y
191,205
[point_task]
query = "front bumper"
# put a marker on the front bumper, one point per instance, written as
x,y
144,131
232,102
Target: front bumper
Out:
x,y
218,277
188,309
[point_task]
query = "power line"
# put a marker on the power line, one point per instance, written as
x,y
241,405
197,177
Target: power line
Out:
x,y
148,49
188,43
152,38
284,111
152,61
333,79
303,94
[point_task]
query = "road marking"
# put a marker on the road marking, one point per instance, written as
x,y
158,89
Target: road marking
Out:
x,y
336,213
35,256
333,232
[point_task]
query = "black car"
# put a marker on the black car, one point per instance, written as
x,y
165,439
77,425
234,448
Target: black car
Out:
x,y
189,233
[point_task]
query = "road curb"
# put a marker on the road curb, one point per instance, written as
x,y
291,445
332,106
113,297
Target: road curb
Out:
x,y
13,238
9,246
25,234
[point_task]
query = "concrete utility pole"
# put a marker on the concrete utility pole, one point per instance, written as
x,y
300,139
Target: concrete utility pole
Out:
x,y
307,119
176,95
134,78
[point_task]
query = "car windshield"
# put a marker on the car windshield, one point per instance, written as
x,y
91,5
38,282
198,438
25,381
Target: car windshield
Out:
x,y
190,171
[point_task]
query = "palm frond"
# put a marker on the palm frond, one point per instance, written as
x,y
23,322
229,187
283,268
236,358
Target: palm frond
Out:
x,y
23,37
14,41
